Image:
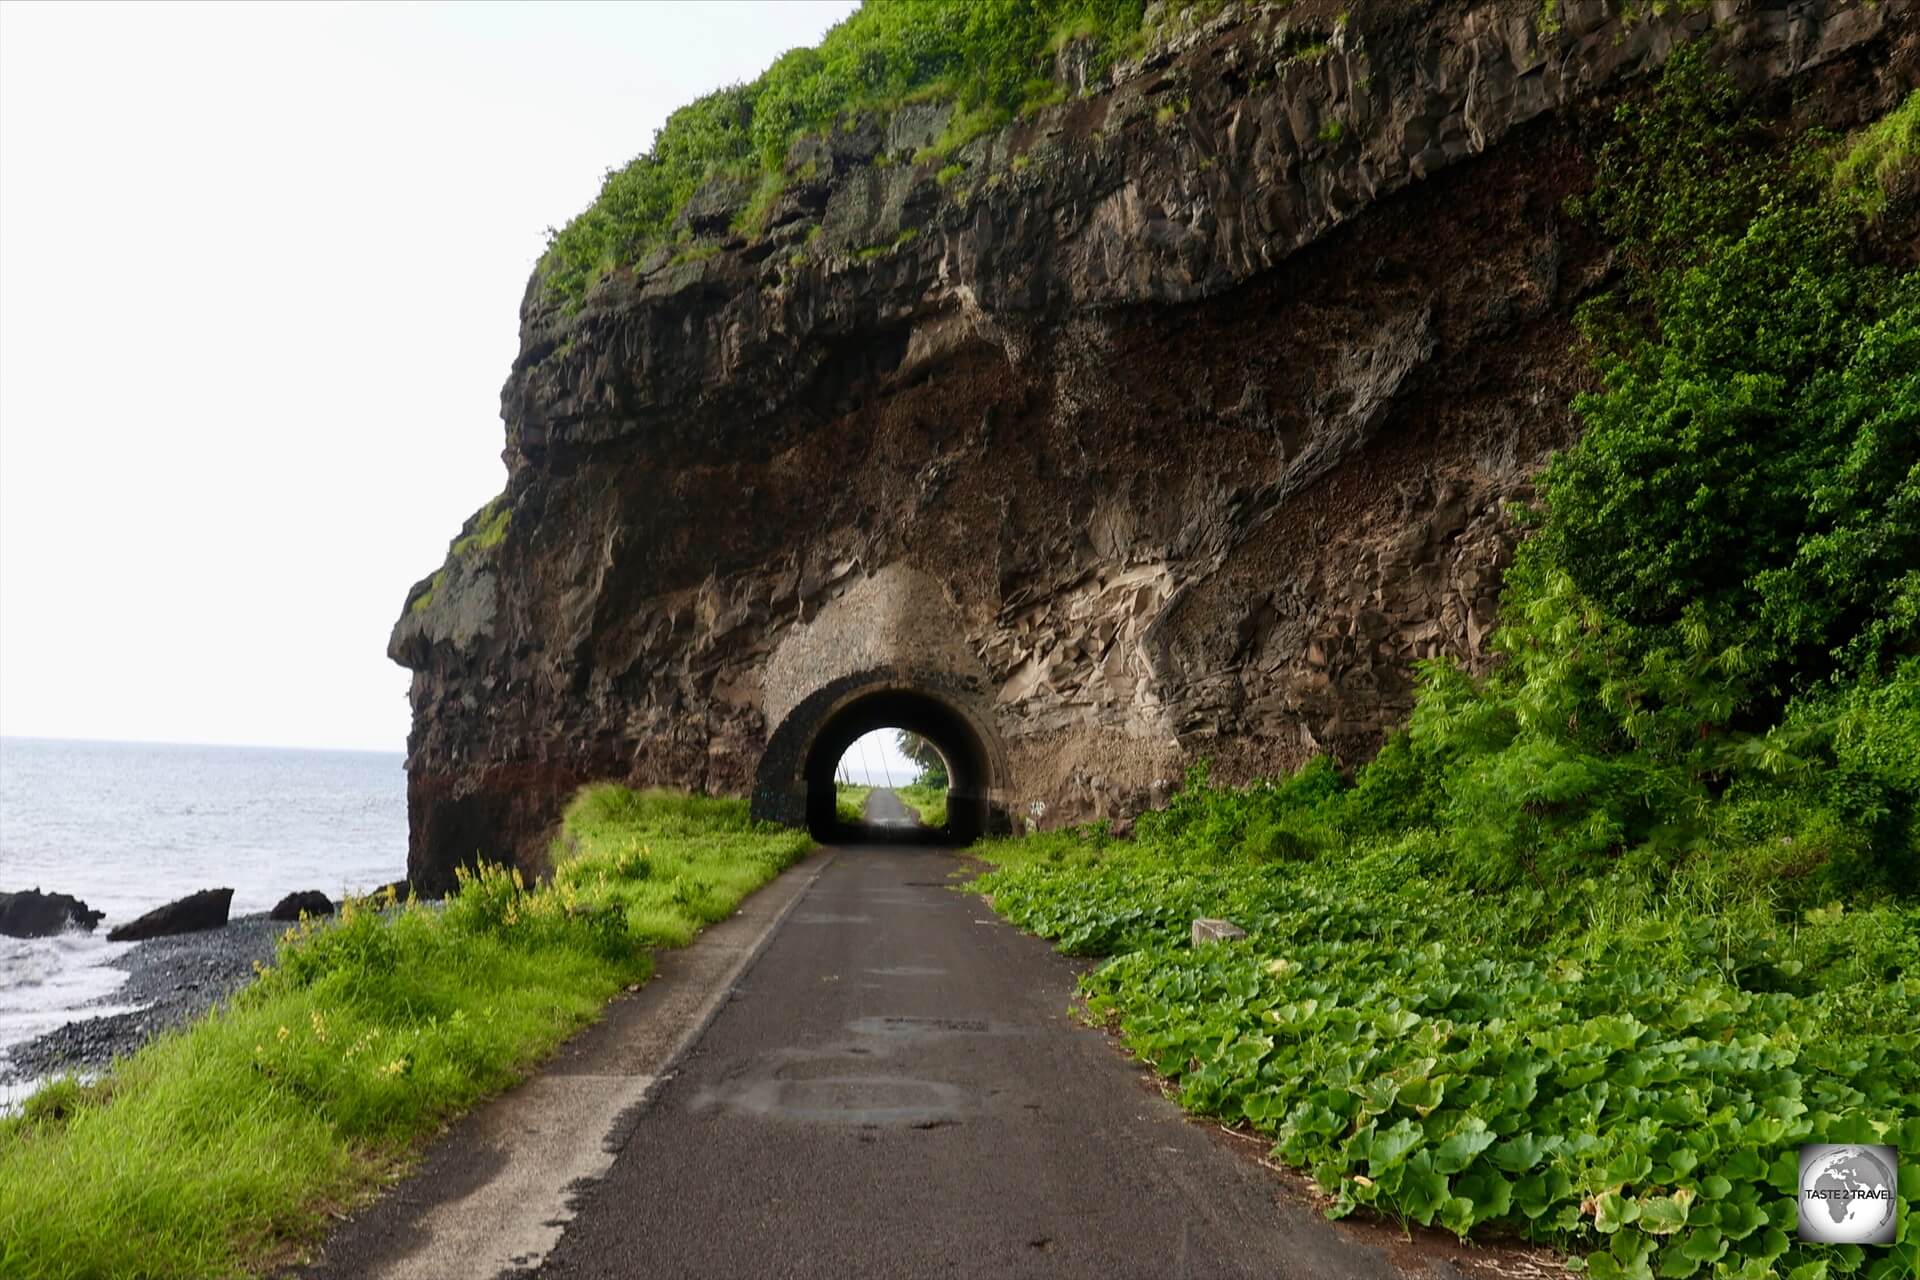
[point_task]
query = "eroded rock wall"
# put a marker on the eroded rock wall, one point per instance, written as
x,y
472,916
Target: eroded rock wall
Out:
x,y
1196,402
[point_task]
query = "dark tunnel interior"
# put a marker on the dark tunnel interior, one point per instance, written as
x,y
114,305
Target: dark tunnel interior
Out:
x,y
968,769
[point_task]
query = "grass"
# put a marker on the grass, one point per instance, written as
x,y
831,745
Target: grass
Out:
x,y
850,802
219,1149
982,58
1873,157
1621,1071
489,528
930,803
424,601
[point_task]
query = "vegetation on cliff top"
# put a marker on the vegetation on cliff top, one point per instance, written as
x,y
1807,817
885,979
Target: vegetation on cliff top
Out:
x,y
1586,952
218,1149
990,58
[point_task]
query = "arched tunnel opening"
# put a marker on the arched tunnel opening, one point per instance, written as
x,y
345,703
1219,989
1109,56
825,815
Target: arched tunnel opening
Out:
x,y
950,734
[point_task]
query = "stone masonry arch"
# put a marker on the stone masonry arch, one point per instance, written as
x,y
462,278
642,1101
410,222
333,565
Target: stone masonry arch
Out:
x,y
795,781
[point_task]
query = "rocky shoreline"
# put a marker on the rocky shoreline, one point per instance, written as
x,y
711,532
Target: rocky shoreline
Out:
x,y
172,979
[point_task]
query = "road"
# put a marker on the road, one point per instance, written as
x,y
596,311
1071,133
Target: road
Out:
x,y
864,1073
897,1089
885,809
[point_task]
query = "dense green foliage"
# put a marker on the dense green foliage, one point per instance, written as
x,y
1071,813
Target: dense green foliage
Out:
x,y
1616,1070
1759,479
220,1146
933,765
990,58
1882,156
1589,949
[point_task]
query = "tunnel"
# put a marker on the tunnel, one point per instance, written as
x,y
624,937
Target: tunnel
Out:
x,y
796,776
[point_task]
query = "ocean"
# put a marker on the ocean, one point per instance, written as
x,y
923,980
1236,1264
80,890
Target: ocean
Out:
x,y
129,826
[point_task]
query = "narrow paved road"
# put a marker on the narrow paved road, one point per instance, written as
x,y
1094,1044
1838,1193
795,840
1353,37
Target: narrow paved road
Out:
x,y
884,808
897,1090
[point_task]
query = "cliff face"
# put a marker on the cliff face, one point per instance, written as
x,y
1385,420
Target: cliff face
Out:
x,y
1177,421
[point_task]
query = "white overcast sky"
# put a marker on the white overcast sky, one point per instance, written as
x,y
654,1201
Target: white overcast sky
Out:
x,y
260,268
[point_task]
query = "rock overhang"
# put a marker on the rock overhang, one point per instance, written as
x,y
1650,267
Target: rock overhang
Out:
x,y
1181,437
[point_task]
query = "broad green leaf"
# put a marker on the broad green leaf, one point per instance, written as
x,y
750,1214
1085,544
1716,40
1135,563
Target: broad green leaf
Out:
x,y
1519,1153
1674,1263
1457,1215
1614,1211
1704,1244
1391,1147
1491,1193
1738,1221
1664,1215
1458,1151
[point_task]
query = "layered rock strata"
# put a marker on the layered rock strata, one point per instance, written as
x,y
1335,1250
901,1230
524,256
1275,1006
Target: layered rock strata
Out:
x,y
1181,420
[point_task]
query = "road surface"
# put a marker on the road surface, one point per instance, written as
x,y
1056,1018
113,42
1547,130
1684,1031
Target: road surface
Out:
x,y
897,1090
862,1074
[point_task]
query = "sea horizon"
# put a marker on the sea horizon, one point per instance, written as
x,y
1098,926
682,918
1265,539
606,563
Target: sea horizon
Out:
x,y
127,826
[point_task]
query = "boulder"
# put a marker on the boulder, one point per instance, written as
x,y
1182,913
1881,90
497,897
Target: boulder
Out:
x,y
400,889
309,902
206,909
33,914
1206,931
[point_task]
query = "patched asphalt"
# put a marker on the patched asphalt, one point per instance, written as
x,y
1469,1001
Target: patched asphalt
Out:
x,y
897,1088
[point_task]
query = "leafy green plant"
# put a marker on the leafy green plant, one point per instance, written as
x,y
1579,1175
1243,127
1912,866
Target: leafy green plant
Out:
x,y
1612,1083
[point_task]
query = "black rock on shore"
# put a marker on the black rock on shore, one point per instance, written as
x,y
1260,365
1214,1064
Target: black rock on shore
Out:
x,y
206,909
33,914
174,979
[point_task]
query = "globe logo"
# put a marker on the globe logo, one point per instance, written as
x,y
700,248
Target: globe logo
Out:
x,y
1847,1193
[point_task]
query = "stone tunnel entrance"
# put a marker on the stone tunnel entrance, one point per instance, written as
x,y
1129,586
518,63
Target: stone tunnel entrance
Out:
x,y
796,778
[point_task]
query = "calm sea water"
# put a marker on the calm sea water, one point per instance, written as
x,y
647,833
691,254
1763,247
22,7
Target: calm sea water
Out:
x,y
129,826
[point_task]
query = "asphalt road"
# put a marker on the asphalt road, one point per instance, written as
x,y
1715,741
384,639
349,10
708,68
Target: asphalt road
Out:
x,y
897,1089
884,808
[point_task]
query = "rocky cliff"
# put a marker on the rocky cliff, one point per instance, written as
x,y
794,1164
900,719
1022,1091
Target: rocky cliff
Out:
x,y
1179,420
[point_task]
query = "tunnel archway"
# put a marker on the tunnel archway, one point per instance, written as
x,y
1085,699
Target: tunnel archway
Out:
x,y
795,783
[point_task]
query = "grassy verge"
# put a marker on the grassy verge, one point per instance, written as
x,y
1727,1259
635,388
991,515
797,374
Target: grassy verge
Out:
x,y
1621,1073
218,1149
930,803
850,802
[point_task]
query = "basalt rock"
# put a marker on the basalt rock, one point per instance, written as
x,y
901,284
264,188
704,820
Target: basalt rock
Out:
x,y
33,914
1182,422
206,909
307,902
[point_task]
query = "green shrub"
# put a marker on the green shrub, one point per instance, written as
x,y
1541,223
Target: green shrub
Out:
x,y
1754,453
